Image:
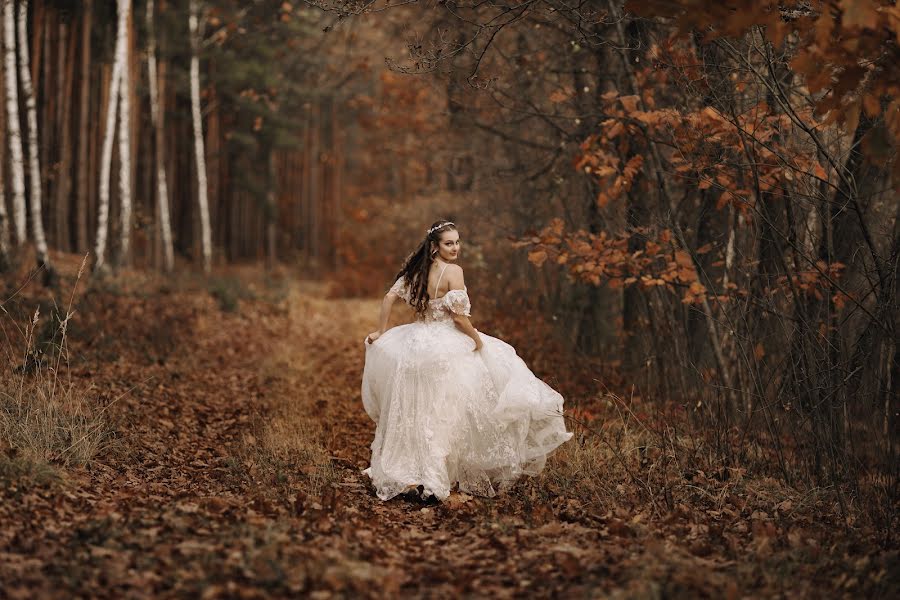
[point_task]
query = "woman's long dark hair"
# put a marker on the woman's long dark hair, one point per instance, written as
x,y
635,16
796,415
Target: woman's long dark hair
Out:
x,y
417,265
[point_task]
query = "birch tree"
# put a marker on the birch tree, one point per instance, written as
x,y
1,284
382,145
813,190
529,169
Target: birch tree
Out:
x,y
109,132
4,217
4,227
157,117
37,223
124,12
14,133
206,235
4,232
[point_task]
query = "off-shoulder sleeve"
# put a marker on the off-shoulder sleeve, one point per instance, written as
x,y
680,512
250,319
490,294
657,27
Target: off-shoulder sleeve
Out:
x,y
401,289
458,301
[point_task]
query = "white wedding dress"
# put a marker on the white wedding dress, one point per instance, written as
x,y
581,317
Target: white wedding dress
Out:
x,y
446,414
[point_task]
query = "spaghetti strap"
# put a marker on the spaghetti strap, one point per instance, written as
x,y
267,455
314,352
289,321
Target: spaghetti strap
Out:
x,y
437,286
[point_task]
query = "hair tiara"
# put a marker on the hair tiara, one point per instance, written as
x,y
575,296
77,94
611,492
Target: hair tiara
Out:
x,y
436,227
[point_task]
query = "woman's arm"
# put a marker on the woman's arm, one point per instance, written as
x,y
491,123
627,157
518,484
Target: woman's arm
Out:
x,y
384,318
386,305
462,321
457,282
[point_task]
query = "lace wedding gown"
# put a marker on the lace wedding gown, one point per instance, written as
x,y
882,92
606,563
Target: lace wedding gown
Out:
x,y
446,414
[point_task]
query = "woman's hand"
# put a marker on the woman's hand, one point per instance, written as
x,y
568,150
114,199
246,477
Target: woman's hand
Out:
x,y
478,344
373,336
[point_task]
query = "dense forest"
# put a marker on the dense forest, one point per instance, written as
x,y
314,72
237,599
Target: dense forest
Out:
x,y
686,213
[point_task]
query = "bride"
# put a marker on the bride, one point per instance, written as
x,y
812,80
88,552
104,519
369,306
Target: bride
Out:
x,y
451,405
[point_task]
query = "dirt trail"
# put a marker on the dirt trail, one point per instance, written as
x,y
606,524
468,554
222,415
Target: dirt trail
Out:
x,y
518,544
469,545
237,474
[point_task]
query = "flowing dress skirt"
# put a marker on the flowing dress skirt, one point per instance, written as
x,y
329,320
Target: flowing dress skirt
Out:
x,y
445,414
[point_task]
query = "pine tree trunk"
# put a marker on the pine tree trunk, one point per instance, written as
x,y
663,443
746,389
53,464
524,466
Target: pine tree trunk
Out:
x,y
106,155
212,154
305,214
199,154
338,191
42,36
271,208
83,201
14,132
315,195
124,10
37,224
158,118
64,175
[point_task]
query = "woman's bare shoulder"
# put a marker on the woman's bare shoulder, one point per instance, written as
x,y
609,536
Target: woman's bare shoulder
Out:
x,y
455,276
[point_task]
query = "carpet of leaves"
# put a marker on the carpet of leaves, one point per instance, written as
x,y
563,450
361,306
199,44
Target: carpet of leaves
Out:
x,y
190,502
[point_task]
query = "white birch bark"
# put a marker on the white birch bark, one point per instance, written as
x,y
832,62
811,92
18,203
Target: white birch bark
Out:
x,y
199,153
124,9
4,217
37,223
162,187
729,247
108,135
4,227
811,230
14,132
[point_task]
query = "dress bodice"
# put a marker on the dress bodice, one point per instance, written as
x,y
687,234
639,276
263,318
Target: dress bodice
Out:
x,y
439,309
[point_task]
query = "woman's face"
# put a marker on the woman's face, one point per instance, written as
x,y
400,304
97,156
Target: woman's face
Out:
x,y
448,248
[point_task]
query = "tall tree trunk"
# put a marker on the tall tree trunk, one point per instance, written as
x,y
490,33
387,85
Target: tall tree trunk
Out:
x,y
336,188
271,207
42,38
106,157
64,174
4,217
315,177
84,164
14,131
37,223
307,170
4,228
199,154
124,8
158,118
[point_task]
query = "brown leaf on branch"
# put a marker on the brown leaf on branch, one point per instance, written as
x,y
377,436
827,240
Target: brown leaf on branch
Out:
x,y
537,257
561,94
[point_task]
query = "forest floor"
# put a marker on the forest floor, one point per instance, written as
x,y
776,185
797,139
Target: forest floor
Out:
x,y
236,437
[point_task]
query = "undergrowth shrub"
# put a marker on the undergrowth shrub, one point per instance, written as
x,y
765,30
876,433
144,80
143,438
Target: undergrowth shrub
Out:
x,y
228,292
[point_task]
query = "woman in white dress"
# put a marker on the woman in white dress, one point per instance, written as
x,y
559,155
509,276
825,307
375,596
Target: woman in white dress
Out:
x,y
452,405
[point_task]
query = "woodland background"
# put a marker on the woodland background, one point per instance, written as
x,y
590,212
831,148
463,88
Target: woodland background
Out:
x,y
684,213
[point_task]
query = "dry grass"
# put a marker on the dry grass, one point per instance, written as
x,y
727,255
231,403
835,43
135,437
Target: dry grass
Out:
x,y
290,445
292,442
307,374
45,418
48,421
623,464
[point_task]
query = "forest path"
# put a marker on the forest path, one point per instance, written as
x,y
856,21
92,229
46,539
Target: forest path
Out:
x,y
528,542
466,545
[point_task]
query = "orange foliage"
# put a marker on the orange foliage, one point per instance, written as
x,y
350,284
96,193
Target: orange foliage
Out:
x,y
601,259
710,151
848,48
